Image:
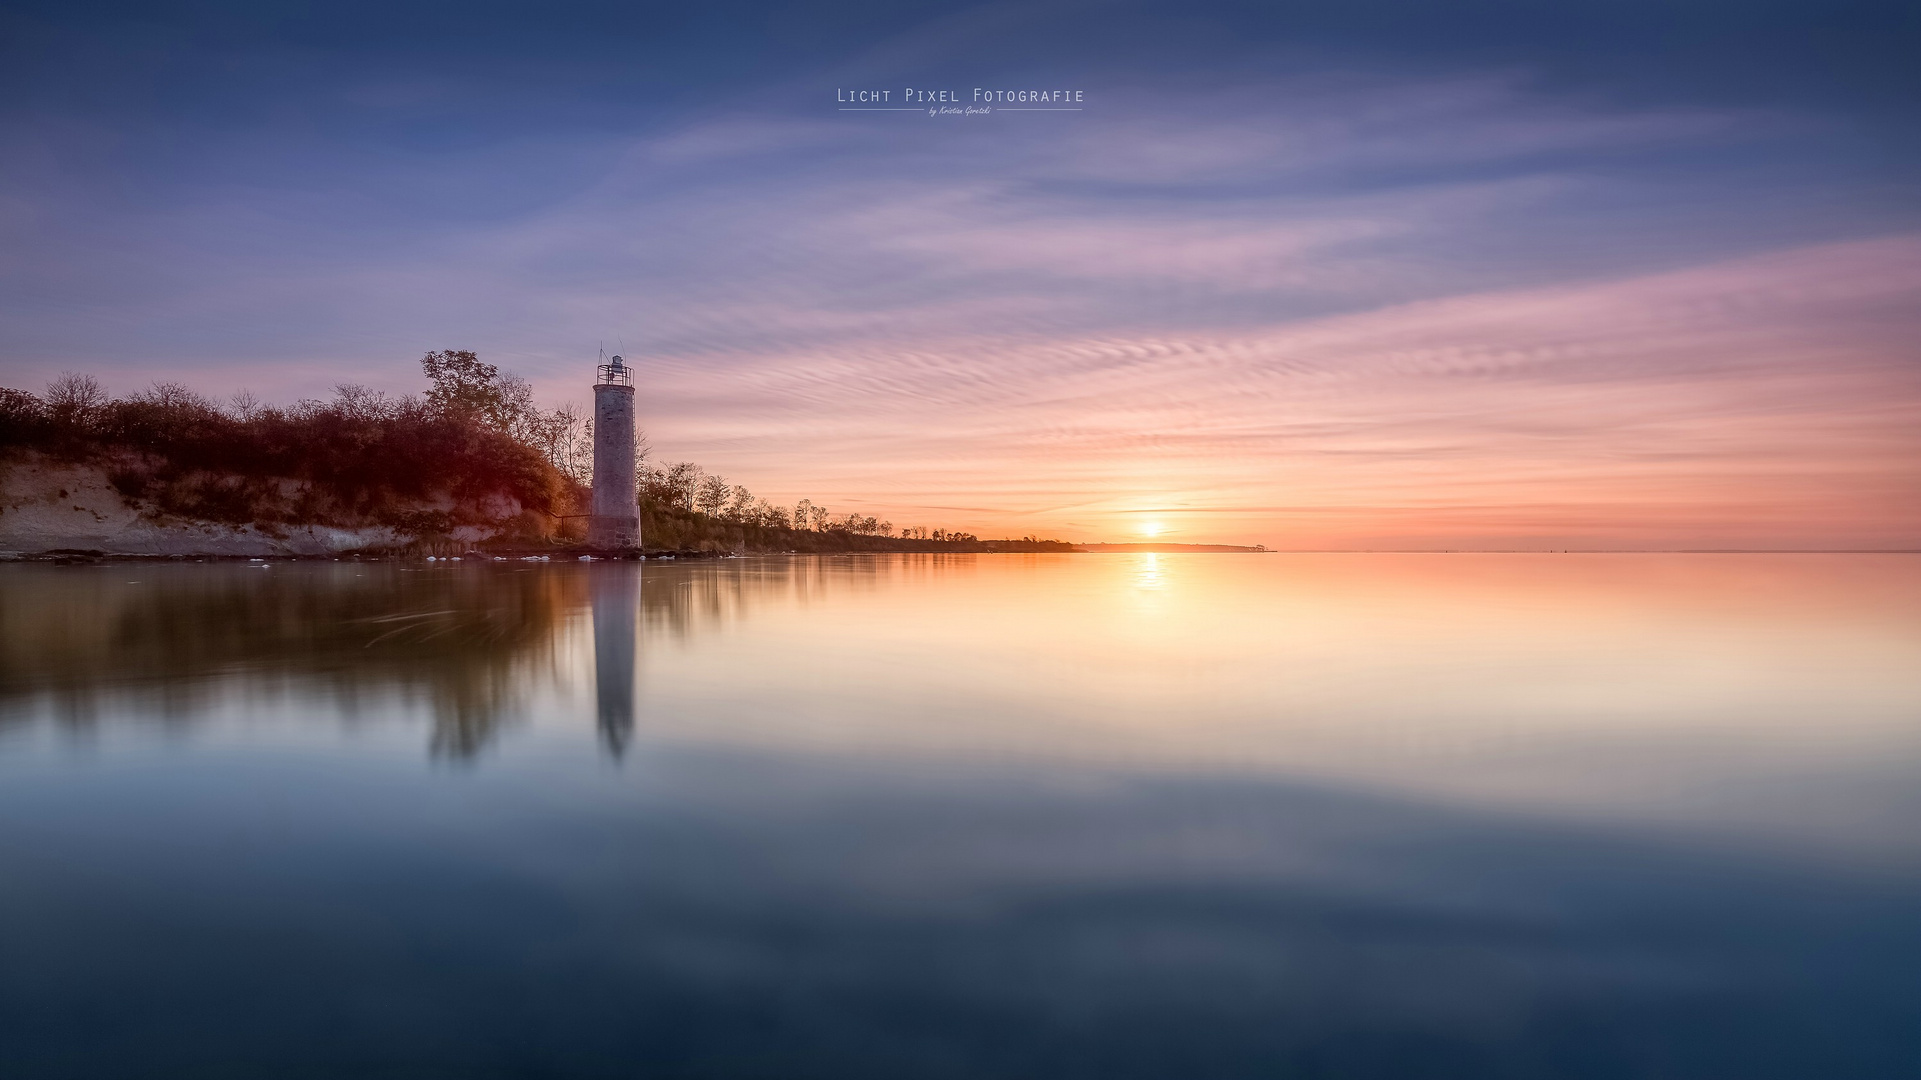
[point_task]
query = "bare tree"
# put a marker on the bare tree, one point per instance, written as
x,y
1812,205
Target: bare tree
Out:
x,y
672,486
565,437
243,405
172,395
683,480
711,497
353,400
740,504
75,399
516,412
573,444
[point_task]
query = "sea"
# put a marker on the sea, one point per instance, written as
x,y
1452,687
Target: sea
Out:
x,y
1056,816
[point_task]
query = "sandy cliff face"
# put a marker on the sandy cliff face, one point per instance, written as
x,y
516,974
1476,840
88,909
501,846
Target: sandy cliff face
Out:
x,y
48,505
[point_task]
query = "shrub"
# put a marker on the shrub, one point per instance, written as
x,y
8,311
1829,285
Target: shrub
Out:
x,y
361,457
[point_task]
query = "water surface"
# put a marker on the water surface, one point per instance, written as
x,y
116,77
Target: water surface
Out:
x,y
964,816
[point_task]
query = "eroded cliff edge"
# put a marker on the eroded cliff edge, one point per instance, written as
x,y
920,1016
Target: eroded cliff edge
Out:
x,y
116,507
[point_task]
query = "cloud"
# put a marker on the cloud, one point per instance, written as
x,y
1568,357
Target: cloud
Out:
x,y
1720,403
1341,308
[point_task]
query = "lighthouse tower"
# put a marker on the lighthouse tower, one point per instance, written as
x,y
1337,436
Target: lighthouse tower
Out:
x,y
616,521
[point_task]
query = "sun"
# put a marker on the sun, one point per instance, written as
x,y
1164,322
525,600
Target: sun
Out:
x,y
1152,528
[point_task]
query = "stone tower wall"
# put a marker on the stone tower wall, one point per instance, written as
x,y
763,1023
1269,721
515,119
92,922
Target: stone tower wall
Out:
x,y
615,522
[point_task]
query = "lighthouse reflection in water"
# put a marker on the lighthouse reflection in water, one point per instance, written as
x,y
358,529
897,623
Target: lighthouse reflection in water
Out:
x,y
616,605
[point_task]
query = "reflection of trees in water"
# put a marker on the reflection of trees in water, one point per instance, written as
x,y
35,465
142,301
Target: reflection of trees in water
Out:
x,y
171,639
470,641
689,598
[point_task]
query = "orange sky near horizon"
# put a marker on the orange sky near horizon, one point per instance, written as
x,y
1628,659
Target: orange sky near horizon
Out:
x,y
1772,402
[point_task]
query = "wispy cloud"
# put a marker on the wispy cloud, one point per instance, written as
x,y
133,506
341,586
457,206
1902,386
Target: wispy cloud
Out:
x,y
1767,400
1326,309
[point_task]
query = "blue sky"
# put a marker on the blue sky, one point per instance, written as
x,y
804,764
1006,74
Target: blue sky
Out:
x,y
1502,273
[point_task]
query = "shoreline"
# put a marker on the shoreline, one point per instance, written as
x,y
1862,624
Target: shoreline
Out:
x,y
80,557
70,556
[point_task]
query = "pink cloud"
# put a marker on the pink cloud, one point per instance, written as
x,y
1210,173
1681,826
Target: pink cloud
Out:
x,y
1768,401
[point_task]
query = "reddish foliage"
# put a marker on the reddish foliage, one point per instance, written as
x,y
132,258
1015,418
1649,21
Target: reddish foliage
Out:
x,y
360,458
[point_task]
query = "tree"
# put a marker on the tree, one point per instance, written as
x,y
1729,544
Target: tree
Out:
x,y
244,405
712,496
75,399
566,436
23,417
352,400
462,383
671,487
683,480
464,386
740,504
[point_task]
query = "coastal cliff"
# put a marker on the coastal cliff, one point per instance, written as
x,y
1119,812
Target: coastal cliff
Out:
x,y
50,505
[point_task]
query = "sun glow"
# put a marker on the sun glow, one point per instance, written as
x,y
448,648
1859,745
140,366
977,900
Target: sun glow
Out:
x,y
1151,528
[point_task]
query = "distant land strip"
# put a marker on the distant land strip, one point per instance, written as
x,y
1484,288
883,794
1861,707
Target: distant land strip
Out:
x,y
1169,548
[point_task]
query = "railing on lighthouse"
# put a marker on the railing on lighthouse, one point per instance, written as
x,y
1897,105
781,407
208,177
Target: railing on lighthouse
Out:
x,y
615,373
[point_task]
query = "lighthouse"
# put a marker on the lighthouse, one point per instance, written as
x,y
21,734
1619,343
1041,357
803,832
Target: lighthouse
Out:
x,y
615,522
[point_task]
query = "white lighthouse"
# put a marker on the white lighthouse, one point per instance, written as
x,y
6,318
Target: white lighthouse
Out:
x,y
615,523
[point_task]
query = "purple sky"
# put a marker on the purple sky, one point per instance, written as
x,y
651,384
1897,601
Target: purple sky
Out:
x,y
1400,275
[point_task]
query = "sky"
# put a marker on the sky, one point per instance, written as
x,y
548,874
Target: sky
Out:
x,y
1378,274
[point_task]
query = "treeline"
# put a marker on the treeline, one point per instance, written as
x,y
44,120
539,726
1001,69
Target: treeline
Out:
x,y
471,448
687,488
473,445
677,529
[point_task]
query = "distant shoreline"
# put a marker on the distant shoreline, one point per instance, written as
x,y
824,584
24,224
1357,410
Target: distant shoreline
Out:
x,y
1174,549
71,556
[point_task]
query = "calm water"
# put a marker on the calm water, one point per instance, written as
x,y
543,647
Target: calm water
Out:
x,y
929,816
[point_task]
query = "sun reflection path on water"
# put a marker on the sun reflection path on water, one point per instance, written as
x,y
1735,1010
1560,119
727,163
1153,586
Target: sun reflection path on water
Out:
x,y
1150,574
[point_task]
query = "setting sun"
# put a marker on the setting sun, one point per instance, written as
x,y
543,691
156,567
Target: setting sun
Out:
x,y
1152,528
